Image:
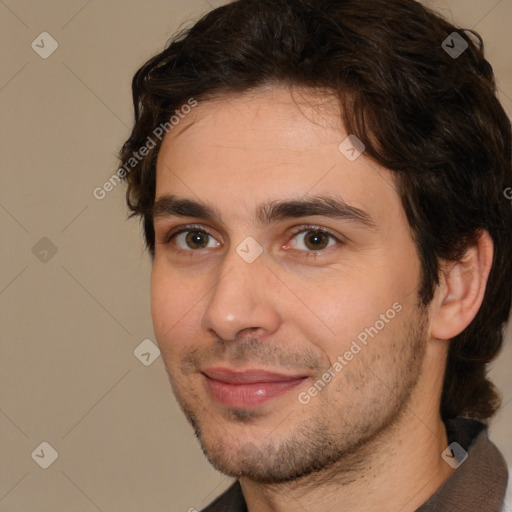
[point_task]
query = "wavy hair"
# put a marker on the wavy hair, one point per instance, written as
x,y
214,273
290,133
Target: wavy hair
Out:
x,y
432,119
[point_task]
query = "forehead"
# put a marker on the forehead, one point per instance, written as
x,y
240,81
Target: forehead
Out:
x,y
274,143
267,119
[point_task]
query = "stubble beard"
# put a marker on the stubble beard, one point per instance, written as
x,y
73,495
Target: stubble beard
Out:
x,y
327,443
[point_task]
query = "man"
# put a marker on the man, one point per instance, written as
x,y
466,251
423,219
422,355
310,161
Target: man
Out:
x,y
321,184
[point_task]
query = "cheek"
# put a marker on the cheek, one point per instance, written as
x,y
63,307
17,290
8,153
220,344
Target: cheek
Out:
x,y
363,320
173,302
338,309
160,296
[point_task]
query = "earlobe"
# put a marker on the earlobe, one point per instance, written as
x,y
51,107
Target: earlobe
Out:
x,y
461,291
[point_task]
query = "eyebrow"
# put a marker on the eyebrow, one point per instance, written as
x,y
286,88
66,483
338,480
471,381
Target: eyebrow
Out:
x,y
269,212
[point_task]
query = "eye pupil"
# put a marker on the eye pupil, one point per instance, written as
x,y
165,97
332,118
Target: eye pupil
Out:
x,y
316,240
197,239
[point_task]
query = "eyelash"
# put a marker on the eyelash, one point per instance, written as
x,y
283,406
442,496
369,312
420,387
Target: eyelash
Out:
x,y
192,227
301,229
316,229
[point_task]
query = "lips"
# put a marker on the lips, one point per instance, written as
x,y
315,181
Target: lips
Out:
x,y
247,389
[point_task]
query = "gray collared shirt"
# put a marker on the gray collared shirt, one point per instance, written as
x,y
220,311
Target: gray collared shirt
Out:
x,y
477,485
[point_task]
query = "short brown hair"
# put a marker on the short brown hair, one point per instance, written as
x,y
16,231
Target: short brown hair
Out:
x,y
431,118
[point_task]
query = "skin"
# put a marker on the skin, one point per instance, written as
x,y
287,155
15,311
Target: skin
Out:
x,y
372,437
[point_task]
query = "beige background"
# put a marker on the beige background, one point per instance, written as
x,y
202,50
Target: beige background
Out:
x,y
69,325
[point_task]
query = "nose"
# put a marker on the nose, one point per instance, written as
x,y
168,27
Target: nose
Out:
x,y
243,300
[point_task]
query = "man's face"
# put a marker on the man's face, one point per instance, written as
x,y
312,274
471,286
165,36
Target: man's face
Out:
x,y
253,307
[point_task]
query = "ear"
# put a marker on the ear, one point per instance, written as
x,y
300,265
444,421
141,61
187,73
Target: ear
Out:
x,y
461,290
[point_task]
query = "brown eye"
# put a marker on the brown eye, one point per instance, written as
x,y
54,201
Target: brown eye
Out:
x,y
194,239
311,239
316,240
197,239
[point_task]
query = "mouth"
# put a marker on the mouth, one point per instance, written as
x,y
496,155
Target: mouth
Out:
x,y
247,389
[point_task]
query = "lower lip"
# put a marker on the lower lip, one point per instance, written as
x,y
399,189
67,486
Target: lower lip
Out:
x,y
248,395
